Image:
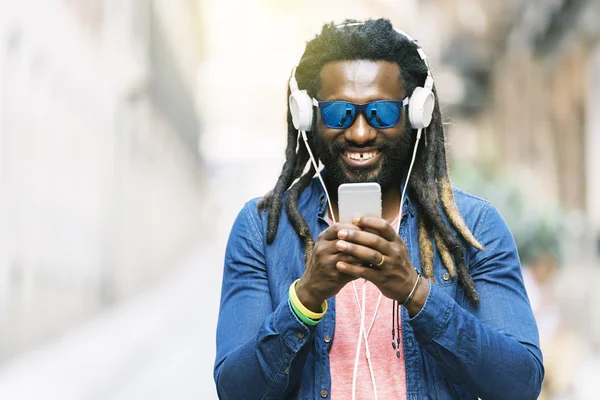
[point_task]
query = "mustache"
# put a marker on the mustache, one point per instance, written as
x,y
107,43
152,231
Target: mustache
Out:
x,y
342,146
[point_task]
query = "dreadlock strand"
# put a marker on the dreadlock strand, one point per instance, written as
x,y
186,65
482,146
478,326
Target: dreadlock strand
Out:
x,y
296,218
444,254
448,245
284,178
465,277
426,170
301,161
442,235
450,241
265,202
273,200
425,250
447,197
453,214
268,199
454,248
425,190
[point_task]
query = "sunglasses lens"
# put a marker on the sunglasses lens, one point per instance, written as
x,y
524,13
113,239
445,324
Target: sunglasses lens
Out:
x,y
379,114
383,114
337,114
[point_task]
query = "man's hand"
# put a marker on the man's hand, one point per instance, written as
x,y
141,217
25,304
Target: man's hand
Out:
x,y
321,279
391,270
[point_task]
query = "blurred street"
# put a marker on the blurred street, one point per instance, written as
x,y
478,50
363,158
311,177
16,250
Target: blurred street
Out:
x,y
159,345
133,131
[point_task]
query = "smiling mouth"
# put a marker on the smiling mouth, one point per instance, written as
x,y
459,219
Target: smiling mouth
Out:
x,y
361,156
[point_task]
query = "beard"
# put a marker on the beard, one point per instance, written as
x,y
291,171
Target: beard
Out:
x,y
388,170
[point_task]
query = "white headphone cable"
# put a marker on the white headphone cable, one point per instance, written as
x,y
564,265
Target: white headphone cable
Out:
x,y
358,352
412,162
376,310
365,335
362,308
362,320
316,166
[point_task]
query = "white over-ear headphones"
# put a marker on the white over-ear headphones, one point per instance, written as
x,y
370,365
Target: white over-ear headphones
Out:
x,y
301,106
420,105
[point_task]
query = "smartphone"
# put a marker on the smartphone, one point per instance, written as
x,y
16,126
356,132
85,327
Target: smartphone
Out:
x,y
359,200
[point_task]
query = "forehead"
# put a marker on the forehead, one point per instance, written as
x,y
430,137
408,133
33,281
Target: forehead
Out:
x,y
361,81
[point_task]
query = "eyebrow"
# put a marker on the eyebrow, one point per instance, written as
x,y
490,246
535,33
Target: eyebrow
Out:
x,y
369,99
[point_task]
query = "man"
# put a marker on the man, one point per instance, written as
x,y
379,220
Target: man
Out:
x,y
292,323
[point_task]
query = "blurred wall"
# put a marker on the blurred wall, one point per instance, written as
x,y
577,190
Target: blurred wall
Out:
x,y
99,171
592,144
528,104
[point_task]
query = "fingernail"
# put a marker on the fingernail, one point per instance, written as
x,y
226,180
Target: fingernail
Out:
x,y
341,245
355,221
343,234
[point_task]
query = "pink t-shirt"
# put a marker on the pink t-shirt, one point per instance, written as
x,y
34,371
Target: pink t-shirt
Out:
x,y
388,370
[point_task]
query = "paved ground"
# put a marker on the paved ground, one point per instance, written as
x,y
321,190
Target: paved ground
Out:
x,y
158,346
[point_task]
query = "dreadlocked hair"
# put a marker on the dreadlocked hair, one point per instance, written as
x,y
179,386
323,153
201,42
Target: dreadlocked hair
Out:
x,y
429,185
376,40
296,158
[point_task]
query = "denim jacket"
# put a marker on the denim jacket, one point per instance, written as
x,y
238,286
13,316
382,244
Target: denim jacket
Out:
x,y
452,349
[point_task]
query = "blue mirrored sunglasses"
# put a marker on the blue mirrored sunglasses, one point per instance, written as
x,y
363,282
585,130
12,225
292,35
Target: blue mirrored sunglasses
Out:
x,y
379,114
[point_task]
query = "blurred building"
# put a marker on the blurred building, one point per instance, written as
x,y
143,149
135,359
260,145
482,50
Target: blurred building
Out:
x,y
100,178
530,96
529,104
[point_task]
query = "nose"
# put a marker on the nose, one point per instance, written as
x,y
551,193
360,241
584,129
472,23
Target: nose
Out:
x,y
360,132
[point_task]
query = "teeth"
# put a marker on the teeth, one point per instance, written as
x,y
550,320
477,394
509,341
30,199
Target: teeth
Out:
x,y
360,156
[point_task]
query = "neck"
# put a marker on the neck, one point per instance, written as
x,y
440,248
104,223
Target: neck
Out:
x,y
390,202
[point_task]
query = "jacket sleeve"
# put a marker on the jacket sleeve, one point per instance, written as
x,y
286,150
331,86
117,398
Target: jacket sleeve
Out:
x,y
261,346
493,348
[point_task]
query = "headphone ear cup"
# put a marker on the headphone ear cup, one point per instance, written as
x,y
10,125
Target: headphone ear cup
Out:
x,y
420,108
301,110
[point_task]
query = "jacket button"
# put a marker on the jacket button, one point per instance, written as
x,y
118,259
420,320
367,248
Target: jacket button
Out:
x,y
300,335
327,339
446,276
324,393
